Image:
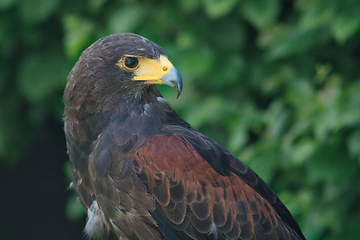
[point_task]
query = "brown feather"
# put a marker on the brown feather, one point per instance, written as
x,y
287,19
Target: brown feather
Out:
x,y
134,160
241,207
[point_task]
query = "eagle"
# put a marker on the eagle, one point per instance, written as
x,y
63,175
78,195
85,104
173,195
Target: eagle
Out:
x,y
143,173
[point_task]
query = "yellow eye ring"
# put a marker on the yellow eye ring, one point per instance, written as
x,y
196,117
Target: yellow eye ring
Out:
x,y
131,63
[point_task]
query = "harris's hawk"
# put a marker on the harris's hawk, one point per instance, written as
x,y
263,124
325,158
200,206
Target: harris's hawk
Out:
x,y
141,171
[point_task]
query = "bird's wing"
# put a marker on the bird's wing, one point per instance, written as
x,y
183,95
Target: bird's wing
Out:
x,y
204,191
179,184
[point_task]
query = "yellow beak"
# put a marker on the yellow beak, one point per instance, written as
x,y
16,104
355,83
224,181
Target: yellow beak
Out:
x,y
158,71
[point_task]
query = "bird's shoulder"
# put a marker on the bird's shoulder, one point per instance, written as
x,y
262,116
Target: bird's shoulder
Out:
x,y
148,152
200,187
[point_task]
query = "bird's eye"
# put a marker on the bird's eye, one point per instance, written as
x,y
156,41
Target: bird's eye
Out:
x,y
131,62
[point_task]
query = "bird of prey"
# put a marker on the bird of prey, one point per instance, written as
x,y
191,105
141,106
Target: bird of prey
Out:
x,y
141,171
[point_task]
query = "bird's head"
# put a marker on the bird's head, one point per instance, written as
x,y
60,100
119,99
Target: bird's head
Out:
x,y
115,67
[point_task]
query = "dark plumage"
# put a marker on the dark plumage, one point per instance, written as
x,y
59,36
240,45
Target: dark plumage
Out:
x,y
141,171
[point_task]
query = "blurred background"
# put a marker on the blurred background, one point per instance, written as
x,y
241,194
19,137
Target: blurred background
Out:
x,y
277,82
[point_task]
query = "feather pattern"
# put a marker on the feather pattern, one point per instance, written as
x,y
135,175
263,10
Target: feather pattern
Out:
x,y
143,173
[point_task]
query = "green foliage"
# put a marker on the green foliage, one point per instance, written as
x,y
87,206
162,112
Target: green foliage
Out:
x,y
276,82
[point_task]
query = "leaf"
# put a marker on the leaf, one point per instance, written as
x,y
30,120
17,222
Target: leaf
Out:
x,y
275,118
36,11
347,22
218,8
349,114
228,35
296,41
189,5
40,74
354,144
125,19
231,69
5,4
303,150
330,163
95,6
238,138
208,111
196,62
78,33
315,14
261,13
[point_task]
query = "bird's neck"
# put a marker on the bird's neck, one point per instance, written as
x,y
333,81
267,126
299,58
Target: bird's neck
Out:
x,y
137,108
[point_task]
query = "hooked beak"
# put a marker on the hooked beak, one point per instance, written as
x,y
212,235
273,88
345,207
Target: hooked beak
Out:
x,y
158,71
173,79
